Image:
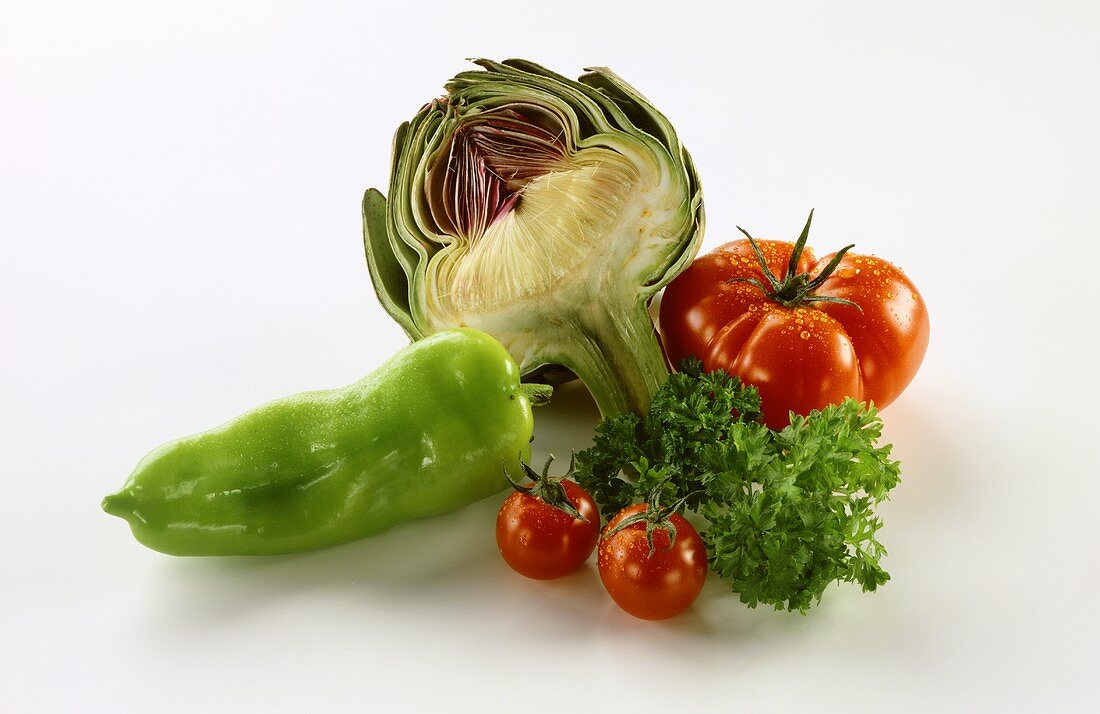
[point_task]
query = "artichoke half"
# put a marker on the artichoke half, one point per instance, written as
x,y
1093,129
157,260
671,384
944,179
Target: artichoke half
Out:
x,y
544,211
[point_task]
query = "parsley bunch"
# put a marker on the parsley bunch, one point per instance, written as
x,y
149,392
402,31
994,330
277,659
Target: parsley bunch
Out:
x,y
788,512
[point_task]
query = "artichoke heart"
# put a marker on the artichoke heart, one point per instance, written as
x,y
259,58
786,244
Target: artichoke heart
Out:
x,y
544,211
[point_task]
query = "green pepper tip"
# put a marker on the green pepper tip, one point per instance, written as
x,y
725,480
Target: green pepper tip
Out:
x,y
119,504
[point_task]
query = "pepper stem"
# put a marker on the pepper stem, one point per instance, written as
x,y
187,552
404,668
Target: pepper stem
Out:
x,y
537,394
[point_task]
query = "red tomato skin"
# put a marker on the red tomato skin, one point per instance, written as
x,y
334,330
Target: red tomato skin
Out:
x,y
694,304
807,357
652,587
891,334
542,542
799,360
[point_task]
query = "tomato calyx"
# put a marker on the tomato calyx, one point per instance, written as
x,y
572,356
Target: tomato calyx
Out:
x,y
546,488
795,288
655,518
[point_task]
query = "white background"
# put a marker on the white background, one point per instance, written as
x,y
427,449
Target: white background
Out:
x,y
180,233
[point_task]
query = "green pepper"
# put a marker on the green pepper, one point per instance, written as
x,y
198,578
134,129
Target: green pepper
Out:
x,y
426,433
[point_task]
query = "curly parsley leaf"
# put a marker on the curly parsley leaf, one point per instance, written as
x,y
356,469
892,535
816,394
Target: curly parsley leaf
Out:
x,y
789,512
598,468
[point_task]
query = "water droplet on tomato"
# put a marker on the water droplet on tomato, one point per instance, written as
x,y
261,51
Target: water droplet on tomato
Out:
x,y
804,335
847,272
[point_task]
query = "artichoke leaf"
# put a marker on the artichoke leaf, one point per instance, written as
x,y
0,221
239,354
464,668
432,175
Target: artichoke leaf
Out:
x,y
390,281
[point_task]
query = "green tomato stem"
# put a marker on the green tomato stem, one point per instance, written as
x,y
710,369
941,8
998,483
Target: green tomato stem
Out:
x,y
793,289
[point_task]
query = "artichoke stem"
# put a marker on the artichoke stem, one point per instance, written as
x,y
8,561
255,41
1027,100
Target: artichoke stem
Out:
x,y
618,357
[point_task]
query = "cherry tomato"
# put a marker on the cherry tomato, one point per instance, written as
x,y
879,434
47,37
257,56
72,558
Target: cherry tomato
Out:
x,y
803,353
657,585
541,541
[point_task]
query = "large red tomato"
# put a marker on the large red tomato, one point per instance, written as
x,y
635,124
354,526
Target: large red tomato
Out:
x,y
807,335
